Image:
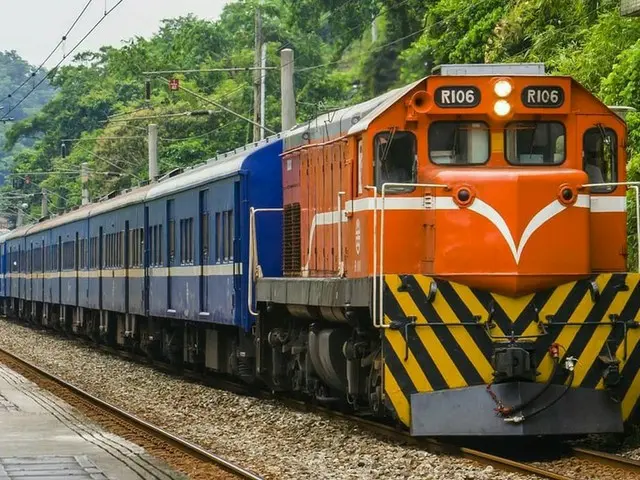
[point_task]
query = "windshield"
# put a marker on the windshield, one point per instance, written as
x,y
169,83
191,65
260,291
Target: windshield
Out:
x,y
459,143
396,159
535,143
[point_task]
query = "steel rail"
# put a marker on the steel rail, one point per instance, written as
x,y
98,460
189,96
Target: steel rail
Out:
x,y
381,429
609,459
430,444
149,429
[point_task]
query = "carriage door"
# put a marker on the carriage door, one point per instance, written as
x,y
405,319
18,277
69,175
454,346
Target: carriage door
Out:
x,y
171,246
145,260
603,160
204,251
29,282
76,266
59,269
125,264
43,268
100,265
236,252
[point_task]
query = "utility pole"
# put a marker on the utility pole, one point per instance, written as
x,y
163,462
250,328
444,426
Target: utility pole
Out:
x,y
257,78
287,89
374,30
21,208
84,177
263,89
45,204
153,152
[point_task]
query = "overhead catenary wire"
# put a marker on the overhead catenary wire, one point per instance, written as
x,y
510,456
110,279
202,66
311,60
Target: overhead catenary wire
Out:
x,y
54,69
99,157
219,105
60,172
206,134
55,49
210,70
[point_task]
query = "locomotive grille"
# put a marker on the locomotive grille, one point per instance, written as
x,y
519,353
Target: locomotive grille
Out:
x,y
291,254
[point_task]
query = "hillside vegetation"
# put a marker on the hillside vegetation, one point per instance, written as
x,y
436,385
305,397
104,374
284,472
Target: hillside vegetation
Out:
x,y
13,72
340,59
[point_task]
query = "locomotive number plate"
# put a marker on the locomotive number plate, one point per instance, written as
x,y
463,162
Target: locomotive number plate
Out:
x,y
457,97
543,97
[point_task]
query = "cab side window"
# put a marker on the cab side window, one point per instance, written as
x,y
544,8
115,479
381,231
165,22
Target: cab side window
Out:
x,y
395,160
599,157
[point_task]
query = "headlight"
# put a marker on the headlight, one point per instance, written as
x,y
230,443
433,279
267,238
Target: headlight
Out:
x,y
502,108
503,88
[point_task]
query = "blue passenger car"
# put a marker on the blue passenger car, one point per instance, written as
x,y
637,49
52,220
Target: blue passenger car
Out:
x,y
203,215
161,268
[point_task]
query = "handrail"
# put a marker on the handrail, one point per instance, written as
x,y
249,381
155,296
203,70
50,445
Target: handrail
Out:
x,y
381,323
254,270
636,187
375,252
340,254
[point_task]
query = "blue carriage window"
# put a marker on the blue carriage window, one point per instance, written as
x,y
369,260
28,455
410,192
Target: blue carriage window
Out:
x,y
152,245
204,229
68,255
225,239
186,241
218,237
160,260
228,235
172,240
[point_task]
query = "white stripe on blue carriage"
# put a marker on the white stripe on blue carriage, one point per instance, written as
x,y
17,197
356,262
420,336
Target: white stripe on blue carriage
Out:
x,y
220,270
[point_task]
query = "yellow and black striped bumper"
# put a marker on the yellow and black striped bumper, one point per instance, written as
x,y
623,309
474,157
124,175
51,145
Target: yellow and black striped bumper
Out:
x,y
445,340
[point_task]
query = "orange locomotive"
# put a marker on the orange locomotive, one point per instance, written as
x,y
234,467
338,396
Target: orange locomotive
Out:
x,y
454,254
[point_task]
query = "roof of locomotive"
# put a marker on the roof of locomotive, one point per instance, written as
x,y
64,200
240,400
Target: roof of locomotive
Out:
x,y
345,121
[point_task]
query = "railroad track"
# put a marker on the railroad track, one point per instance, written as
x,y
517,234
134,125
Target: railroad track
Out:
x,y
608,465
177,452
621,466
555,470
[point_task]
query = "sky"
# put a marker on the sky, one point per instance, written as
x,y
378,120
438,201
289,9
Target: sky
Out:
x,y
34,27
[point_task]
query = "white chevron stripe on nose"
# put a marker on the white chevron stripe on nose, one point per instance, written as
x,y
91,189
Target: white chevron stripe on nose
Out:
x,y
539,219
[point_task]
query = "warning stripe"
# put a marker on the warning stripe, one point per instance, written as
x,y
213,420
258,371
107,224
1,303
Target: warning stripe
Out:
x,y
458,354
587,332
444,365
477,347
616,335
423,358
439,353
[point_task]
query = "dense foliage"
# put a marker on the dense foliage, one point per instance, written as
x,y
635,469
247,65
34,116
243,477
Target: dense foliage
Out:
x,y
14,71
346,51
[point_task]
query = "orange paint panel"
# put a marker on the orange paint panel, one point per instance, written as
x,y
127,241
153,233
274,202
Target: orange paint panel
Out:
x,y
517,234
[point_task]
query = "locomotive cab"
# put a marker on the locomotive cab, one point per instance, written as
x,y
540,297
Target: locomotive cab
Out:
x,y
513,159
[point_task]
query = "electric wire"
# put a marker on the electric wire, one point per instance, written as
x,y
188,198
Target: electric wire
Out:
x,y
55,49
54,69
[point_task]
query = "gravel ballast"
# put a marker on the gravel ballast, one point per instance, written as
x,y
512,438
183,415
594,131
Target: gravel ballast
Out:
x,y
270,439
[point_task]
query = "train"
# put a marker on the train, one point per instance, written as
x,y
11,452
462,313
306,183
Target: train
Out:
x,y
450,256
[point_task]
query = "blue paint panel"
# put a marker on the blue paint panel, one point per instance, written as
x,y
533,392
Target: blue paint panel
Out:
x,y
246,178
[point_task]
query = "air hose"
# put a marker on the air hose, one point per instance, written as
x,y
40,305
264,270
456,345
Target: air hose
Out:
x,y
506,411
